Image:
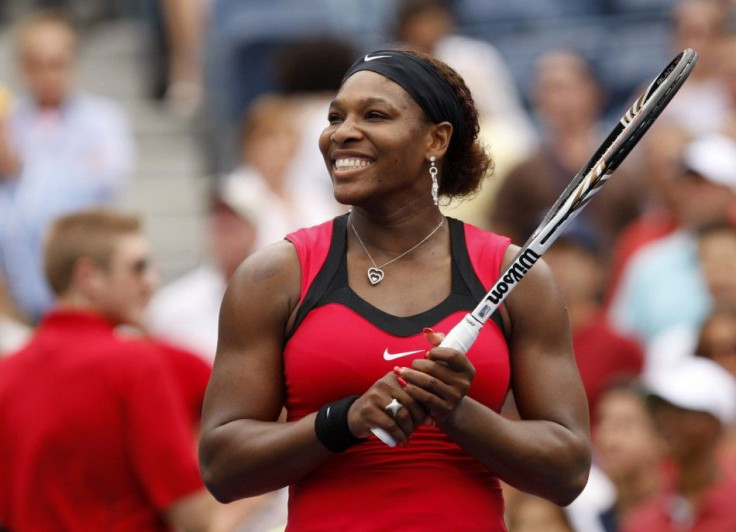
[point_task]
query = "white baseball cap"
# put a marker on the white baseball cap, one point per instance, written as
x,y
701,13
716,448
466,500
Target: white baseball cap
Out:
x,y
713,157
247,197
697,383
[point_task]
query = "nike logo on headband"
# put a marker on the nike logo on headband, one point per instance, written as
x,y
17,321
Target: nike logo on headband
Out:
x,y
368,57
394,356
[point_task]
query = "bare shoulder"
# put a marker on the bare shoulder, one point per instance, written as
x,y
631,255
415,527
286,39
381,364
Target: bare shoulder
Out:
x,y
266,283
278,262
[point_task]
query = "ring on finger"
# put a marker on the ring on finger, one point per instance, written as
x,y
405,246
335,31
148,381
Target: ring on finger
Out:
x,y
393,407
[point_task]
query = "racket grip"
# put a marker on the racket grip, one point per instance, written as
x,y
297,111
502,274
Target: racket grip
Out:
x,y
462,335
384,436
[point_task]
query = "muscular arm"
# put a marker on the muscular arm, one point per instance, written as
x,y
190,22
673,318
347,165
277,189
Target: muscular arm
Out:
x,y
244,450
547,452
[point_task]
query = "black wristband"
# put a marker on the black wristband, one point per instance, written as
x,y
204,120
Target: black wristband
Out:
x,y
332,428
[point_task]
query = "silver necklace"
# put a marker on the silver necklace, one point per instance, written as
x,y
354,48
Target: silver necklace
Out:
x,y
375,273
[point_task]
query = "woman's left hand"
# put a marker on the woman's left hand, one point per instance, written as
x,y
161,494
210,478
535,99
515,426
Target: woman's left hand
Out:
x,y
440,380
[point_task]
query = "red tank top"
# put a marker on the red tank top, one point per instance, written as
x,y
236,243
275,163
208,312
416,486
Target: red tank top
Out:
x,y
338,348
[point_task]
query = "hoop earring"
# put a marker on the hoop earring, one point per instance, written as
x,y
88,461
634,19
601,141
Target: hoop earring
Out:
x,y
435,186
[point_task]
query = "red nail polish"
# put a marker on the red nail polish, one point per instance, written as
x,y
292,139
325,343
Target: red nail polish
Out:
x,y
398,371
427,330
403,382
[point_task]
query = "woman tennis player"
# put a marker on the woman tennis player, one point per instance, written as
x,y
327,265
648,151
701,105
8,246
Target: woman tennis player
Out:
x,y
341,323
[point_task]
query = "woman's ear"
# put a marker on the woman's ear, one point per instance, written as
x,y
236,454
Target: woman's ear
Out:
x,y
439,139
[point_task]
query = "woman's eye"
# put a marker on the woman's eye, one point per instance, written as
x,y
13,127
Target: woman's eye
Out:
x,y
375,115
333,117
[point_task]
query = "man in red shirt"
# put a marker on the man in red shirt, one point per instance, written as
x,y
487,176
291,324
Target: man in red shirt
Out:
x,y
692,403
94,431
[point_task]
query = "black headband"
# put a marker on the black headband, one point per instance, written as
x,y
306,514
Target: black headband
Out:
x,y
421,80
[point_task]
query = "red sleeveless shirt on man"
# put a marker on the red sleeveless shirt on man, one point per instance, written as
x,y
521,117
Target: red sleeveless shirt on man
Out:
x,y
341,345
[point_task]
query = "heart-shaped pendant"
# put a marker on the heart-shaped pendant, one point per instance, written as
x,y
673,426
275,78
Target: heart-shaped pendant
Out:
x,y
375,276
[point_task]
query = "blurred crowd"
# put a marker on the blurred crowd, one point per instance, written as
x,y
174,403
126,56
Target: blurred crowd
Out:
x,y
648,269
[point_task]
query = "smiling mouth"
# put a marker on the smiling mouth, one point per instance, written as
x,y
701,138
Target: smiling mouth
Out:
x,y
351,163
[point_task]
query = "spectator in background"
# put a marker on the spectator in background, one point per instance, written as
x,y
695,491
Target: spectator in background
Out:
x,y
186,311
662,286
309,73
602,354
569,101
628,449
177,31
94,428
269,140
60,150
717,341
661,151
701,106
185,23
692,404
429,26
715,338
716,255
727,76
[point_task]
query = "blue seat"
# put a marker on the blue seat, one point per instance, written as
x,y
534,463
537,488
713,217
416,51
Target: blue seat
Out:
x,y
628,7
471,12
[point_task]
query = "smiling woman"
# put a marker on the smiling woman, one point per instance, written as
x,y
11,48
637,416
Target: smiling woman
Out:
x,y
302,327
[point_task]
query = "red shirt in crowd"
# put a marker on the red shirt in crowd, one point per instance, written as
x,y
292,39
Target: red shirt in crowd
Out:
x,y
604,355
716,510
93,430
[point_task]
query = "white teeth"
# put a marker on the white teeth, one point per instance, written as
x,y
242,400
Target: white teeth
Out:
x,y
343,164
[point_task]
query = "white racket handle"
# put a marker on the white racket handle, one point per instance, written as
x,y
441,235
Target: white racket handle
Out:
x,y
384,436
461,337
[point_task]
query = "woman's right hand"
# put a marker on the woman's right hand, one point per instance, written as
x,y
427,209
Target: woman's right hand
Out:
x,y
369,411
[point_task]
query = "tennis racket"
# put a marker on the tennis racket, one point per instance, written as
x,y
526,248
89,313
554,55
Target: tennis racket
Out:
x,y
586,183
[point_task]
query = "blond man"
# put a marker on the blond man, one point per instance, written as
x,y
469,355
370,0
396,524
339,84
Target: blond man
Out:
x,y
95,434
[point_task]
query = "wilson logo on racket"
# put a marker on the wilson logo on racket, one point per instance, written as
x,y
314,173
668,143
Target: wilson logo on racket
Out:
x,y
515,274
